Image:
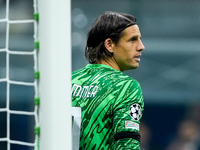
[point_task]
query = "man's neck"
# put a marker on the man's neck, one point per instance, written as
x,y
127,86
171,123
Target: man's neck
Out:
x,y
110,62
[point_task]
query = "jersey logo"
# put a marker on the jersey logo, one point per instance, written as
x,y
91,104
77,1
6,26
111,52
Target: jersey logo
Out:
x,y
135,111
131,125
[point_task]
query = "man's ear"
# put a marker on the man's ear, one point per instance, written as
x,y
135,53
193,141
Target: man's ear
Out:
x,y
109,44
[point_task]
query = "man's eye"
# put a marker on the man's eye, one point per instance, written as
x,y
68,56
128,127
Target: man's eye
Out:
x,y
134,39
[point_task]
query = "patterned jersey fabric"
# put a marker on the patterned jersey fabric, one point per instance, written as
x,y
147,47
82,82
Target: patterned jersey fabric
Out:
x,y
111,103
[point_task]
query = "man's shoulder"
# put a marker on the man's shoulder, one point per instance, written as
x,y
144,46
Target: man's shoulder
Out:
x,y
77,71
105,72
125,77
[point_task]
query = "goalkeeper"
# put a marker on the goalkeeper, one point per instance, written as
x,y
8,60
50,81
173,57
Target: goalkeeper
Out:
x,y
111,102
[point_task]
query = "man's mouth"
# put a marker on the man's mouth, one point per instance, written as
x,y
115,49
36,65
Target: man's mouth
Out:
x,y
137,58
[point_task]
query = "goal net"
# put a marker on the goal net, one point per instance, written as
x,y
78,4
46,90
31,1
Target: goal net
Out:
x,y
19,97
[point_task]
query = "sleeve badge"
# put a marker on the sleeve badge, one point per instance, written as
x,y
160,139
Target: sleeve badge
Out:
x,y
135,111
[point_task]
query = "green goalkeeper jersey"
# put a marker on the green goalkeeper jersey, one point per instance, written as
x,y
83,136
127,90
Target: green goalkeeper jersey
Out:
x,y
111,105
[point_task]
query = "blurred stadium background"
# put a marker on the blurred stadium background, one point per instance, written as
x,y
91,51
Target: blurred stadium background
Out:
x,y
169,71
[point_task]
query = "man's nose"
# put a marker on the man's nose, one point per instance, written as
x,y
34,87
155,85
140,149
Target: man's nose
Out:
x,y
140,46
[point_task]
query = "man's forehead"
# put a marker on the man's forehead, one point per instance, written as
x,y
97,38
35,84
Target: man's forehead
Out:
x,y
132,31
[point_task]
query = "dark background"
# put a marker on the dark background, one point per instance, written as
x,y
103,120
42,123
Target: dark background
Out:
x,y
169,71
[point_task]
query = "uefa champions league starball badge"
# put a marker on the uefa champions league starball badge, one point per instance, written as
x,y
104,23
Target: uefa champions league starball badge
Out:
x,y
135,111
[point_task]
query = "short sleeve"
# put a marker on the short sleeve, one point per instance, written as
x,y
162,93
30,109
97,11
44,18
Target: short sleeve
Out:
x,y
128,109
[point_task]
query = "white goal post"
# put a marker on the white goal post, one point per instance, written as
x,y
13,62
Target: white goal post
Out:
x,y
55,74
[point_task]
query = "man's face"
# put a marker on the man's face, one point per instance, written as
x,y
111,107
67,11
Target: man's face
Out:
x,y
128,50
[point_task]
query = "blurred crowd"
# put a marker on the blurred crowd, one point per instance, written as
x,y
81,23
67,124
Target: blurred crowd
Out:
x,y
186,137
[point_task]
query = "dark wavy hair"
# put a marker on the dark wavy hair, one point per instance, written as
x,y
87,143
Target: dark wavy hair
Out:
x,y
108,25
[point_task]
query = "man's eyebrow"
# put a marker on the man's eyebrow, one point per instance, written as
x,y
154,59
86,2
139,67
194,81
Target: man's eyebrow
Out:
x,y
134,37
